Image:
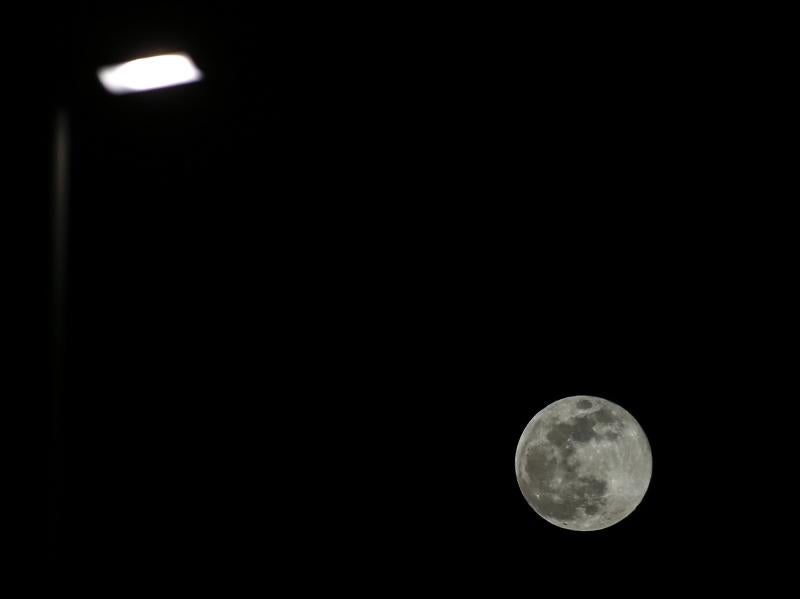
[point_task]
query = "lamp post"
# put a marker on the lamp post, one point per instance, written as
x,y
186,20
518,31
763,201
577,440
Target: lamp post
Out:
x,y
140,75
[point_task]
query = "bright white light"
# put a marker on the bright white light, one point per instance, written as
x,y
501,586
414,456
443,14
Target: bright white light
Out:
x,y
149,73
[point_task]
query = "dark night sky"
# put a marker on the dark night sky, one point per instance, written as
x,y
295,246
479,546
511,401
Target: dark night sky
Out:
x,y
315,299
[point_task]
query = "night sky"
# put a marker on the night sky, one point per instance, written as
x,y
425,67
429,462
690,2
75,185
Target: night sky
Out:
x,y
314,299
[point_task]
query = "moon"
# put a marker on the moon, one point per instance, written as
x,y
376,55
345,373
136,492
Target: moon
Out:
x,y
583,463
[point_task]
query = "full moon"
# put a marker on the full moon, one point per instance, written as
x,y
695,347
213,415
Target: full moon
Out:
x,y
583,463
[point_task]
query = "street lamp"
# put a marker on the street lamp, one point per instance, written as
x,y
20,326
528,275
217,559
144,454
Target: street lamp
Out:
x,y
143,74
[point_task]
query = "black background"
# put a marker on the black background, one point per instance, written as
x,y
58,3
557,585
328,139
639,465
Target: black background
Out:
x,y
315,299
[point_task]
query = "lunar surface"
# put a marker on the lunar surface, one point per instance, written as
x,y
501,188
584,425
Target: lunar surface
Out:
x,y
583,463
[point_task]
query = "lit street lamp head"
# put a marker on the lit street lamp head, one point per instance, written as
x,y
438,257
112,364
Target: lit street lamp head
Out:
x,y
154,72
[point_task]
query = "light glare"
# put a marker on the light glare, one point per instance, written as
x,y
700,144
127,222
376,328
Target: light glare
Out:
x,y
149,73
